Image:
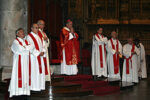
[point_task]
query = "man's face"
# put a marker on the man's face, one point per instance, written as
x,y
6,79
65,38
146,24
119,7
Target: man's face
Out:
x,y
130,40
100,30
41,24
35,28
21,34
114,35
69,25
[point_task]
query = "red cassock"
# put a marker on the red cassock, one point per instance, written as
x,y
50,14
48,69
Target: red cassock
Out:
x,y
71,47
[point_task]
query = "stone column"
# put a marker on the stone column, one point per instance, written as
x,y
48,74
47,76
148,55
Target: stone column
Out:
x,y
13,15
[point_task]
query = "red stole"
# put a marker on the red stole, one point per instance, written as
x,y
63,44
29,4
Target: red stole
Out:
x,y
44,58
38,57
115,57
19,67
101,52
130,58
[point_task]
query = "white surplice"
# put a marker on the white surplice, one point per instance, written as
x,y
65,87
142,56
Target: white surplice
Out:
x,y
46,46
37,78
110,61
96,63
133,67
23,51
142,62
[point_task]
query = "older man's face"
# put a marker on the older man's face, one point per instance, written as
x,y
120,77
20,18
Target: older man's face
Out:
x,y
41,25
69,25
21,34
100,30
130,40
114,35
35,28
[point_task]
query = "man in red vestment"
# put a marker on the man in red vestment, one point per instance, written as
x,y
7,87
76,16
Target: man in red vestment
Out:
x,y
69,50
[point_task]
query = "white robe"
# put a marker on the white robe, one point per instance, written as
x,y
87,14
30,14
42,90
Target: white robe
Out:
x,y
133,72
68,69
96,63
110,61
18,49
37,79
46,45
142,62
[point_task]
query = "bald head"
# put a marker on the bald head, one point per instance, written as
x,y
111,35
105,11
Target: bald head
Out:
x,y
114,34
34,28
41,24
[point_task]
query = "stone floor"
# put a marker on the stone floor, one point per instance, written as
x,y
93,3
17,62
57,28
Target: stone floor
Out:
x,y
139,92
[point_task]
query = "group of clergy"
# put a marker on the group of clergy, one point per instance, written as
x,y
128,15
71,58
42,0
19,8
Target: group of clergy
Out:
x,y
30,68
106,55
31,61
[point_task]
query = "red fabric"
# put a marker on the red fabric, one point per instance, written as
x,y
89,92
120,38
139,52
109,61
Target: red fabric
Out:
x,y
19,72
19,67
37,47
101,52
69,46
40,35
98,87
130,58
45,63
115,57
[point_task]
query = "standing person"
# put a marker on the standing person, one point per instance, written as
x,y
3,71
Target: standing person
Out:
x,y
142,70
114,49
130,72
99,66
20,81
37,63
69,50
45,39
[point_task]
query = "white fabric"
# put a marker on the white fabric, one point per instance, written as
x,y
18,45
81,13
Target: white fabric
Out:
x,y
17,50
110,61
96,67
68,69
142,62
133,72
37,79
46,46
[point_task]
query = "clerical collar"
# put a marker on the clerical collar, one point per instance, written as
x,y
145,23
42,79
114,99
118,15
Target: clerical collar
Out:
x,y
33,33
20,39
67,28
114,39
40,30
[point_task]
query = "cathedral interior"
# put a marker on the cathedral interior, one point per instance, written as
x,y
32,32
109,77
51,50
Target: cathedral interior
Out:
x,y
126,17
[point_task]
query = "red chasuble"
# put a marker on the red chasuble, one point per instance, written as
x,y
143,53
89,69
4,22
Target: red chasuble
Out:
x,y
19,67
115,56
130,58
71,47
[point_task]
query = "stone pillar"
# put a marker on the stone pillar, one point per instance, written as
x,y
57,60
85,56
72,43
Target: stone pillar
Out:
x,y
13,15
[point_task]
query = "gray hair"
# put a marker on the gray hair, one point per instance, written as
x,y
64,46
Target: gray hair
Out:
x,y
17,31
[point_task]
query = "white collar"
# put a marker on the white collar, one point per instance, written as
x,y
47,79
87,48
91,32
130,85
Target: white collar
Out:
x,y
33,33
114,39
20,39
66,28
40,30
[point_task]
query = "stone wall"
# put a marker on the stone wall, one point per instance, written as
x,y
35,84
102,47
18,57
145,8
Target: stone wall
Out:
x,y
13,15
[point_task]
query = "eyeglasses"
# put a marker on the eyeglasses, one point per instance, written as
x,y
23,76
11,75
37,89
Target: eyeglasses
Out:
x,y
42,24
36,27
